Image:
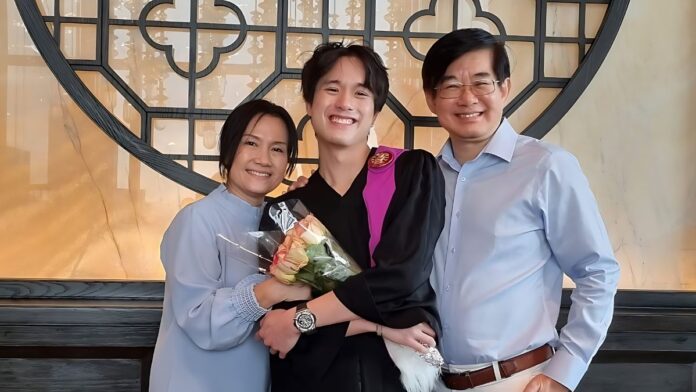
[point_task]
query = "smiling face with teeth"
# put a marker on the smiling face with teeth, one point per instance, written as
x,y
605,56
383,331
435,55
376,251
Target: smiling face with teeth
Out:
x,y
342,110
261,159
471,119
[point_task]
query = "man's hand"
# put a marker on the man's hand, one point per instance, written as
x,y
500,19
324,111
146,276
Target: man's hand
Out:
x,y
301,182
278,331
542,383
419,337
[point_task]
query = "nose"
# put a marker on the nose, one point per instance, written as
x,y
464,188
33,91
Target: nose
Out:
x,y
466,97
345,100
263,157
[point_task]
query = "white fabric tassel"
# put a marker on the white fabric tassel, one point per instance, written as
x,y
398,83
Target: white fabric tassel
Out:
x,y
417,374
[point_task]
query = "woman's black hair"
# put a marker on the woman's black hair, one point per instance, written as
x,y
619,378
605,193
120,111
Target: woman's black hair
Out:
x,y
238,121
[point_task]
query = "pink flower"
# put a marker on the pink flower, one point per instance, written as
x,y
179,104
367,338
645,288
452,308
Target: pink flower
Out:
x,y
311,230
290,257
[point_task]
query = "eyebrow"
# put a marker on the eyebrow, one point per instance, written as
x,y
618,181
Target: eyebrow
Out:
x,y
448,78
336,81
257,138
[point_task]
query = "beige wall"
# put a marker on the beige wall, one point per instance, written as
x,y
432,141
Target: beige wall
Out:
x,y
74,205
634,133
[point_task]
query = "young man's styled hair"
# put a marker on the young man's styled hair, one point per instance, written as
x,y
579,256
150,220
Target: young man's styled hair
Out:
x,y
326,55
238,121
453,45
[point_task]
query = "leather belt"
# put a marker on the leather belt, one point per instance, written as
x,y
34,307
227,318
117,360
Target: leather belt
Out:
x,y
475,378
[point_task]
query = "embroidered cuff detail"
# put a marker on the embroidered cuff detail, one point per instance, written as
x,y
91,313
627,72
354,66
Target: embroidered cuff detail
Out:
x,y
244,299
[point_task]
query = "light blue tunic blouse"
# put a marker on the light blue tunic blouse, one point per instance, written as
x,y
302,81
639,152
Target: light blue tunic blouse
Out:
x,y
206,341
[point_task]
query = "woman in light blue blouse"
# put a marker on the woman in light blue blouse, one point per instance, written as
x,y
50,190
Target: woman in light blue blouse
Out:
x,y
212,299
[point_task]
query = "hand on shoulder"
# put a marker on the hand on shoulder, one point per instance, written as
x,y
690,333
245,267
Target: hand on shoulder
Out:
x,y
301,182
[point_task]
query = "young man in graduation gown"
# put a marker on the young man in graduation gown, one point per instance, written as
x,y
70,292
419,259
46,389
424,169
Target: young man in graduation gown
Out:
x,y
344,88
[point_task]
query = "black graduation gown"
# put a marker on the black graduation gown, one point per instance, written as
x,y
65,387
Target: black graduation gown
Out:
x,y
396,293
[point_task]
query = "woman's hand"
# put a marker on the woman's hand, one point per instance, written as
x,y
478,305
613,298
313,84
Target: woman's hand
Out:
x,y
271,291
419,337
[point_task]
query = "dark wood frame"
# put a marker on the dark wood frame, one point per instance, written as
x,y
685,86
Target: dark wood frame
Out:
x,y
651,345
64,70
72,335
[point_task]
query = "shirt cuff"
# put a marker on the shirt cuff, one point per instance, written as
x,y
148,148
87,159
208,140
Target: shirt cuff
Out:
x,y
244,300
566,368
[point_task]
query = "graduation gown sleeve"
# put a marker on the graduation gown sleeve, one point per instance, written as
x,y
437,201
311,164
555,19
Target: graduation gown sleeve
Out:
x,y
397,292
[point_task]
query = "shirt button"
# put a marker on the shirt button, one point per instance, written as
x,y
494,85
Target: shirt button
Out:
x,y
452,250
447,287
462,179
459,213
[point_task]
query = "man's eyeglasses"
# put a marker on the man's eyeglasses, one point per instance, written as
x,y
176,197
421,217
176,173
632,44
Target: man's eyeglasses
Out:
x,y
454,89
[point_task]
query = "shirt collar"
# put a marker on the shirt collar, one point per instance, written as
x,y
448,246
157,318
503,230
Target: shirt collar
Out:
x,y
236,204
501,145
447,155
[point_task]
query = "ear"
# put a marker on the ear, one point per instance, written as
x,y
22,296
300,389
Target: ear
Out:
x,y
430,100
505,87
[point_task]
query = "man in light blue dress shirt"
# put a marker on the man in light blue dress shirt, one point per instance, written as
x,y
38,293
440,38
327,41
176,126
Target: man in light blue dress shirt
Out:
x,y
519,215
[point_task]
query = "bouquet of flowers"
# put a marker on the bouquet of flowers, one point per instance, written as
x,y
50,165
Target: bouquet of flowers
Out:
x,y
303,250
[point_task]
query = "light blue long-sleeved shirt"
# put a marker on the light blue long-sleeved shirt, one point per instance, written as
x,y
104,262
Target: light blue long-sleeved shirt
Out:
x,y
517,217
210,311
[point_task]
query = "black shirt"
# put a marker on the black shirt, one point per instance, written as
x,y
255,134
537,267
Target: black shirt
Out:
x,y
396,293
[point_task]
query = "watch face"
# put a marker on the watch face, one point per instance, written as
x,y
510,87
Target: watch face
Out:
x,y
304,322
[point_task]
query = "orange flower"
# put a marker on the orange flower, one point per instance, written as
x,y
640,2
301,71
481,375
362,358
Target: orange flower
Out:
x,y
281,273
283,277
297,254
289,258
311,230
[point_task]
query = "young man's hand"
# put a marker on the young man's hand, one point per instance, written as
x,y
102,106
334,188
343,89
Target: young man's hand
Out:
x,y
277,331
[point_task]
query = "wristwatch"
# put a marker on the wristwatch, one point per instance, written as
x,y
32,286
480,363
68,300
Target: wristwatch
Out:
x,y
305,321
